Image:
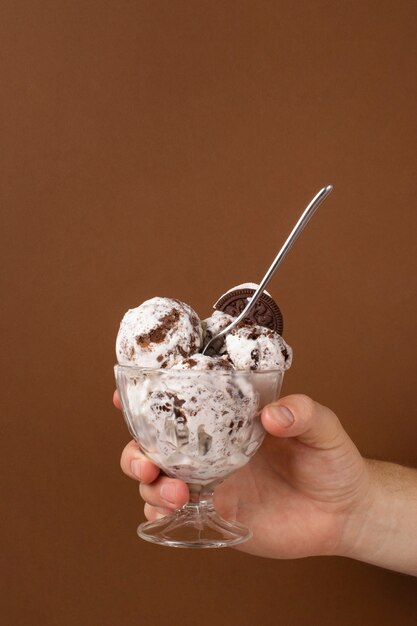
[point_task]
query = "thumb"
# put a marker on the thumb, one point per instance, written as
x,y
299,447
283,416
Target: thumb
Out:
x,y
300,416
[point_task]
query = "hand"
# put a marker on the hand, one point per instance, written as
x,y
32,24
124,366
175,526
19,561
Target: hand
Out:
x,y
302,494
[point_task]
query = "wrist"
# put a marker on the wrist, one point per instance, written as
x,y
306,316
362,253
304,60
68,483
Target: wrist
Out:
x,y
361,527
380,529
355,518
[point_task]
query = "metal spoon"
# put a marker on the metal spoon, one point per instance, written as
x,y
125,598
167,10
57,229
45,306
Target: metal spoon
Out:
x,y
298,228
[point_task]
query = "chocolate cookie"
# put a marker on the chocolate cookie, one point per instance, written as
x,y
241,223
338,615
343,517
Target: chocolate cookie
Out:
x,y
266,312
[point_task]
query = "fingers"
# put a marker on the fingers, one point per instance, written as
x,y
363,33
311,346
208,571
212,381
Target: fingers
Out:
x,y
165,493
153,513
161,494
136,465
300,416
157,491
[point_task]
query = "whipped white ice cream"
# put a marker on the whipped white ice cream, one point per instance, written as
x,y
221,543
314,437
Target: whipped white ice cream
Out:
x,y
257,348
199,425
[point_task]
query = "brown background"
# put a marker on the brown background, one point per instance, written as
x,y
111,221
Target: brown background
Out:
x,y
166,148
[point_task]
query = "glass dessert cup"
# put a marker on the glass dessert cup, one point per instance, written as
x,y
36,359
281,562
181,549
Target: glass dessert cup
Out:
x,y
199,426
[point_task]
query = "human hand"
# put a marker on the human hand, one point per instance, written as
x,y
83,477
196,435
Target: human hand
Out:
x,y
302,494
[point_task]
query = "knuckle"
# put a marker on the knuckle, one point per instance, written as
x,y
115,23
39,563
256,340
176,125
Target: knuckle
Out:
x,y
125,456
306,407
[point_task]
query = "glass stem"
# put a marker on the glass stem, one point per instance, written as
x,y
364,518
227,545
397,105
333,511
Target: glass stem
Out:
x,y
201,498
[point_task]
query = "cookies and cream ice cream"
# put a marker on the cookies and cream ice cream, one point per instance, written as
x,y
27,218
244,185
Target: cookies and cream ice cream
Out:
x,y
196,415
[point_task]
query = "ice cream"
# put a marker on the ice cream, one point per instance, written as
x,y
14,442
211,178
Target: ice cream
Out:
x,y
257,348
162,332
196,415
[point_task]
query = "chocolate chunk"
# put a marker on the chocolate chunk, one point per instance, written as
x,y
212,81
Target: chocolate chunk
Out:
x,y
158,334
266,312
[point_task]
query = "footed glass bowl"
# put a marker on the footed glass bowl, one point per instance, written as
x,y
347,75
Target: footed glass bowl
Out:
x,y
198,426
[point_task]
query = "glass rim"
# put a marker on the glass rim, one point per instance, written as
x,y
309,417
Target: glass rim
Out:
x,y
170,370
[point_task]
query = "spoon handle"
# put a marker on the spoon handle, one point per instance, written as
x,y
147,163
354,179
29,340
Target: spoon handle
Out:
x,y
292,237
296,231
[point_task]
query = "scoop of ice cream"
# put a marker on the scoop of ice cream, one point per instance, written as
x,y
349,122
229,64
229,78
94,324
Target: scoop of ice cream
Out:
x,y
203,362
158,333
257,348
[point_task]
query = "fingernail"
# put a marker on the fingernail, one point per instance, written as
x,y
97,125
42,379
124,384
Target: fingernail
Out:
x,y
281,415
136,468
168,493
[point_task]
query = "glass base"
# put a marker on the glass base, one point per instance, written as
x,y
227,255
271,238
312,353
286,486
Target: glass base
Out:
x,y
194,526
